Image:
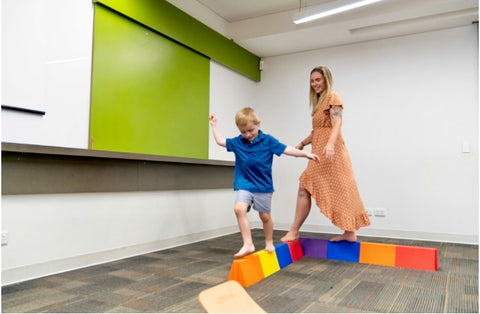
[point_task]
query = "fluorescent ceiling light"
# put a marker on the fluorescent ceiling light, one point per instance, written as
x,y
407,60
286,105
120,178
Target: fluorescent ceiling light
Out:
x,y
329,9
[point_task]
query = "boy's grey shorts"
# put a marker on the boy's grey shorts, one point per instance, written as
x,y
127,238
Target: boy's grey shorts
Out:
x,y
261,202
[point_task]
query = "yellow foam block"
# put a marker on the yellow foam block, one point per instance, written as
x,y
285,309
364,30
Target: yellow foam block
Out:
x,y
377,254
269,262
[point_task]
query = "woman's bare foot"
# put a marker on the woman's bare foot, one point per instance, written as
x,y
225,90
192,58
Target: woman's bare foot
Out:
x,y
269,247
290,236
245,250
349,236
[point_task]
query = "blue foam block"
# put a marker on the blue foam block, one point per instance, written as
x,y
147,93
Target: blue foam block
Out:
x,y
283,255
314,247
344,251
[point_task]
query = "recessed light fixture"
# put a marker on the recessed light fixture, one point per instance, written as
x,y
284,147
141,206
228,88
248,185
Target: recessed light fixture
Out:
x,y
329,9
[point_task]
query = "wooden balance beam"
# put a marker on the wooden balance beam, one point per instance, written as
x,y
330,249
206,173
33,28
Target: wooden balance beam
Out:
x,y
228,297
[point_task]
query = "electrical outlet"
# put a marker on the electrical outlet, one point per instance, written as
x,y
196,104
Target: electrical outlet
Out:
x,y
4,238
380,212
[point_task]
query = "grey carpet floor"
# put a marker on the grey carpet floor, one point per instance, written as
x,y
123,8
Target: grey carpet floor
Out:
x,y
170,281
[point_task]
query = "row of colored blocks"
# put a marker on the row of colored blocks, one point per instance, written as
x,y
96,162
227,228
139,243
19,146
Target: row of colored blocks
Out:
x,y
253,268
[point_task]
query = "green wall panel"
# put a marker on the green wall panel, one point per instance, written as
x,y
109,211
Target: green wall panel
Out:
x,y
176,24
150,95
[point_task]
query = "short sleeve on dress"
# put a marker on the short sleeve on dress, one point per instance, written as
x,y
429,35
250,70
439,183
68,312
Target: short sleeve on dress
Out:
x,y
335,100
332,100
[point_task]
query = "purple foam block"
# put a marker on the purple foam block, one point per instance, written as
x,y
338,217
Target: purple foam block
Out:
x,y
314,247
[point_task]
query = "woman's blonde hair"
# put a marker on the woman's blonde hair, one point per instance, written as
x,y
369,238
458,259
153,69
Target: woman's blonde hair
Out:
x,y
315,99
246,115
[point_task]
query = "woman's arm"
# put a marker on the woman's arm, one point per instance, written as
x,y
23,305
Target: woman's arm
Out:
x,y
336,117
304,142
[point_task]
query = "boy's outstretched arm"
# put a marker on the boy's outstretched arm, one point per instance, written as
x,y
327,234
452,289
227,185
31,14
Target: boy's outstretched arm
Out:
x,y
292,151
216,131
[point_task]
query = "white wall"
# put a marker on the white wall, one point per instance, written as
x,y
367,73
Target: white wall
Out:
x,y
410,104
46,65
52,233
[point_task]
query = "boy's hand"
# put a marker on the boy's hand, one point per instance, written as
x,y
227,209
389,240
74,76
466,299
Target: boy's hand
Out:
x,y
215,131
313,157
212,119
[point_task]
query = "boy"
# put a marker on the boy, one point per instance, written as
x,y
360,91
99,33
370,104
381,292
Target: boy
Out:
x,y
253,173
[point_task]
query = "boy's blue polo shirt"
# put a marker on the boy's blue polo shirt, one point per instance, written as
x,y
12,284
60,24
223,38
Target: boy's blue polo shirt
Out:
x,y
253,161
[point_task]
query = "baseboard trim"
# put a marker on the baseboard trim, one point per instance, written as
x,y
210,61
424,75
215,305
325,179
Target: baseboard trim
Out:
x,y
28,272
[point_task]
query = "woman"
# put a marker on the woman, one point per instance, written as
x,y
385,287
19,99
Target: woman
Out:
x,y
330,181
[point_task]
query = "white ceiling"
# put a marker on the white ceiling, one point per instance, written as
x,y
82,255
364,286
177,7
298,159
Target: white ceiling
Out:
x,y
237,10
266,28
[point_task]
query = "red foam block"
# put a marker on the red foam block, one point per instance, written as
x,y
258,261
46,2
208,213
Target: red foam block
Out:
x,y
295,250
416,257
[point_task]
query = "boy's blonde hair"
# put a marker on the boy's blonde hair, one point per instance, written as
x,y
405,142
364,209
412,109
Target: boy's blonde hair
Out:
x,y
246,115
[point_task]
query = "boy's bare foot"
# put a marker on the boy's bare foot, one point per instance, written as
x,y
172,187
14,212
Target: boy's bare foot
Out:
x,y
245,250
269,247
346,236
290,236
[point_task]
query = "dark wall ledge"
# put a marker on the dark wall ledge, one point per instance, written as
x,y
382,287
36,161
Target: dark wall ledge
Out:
x,y
36,169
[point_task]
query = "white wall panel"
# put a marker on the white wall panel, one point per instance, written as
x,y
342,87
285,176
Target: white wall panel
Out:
x,y
229,92
410,104
46,66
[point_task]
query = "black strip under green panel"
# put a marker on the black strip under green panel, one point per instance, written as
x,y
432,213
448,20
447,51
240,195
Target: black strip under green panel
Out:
x,y
35,169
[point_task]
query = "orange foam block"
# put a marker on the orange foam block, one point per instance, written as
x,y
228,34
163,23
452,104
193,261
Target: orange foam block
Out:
x,y
269,262
246,270
416,257
377,254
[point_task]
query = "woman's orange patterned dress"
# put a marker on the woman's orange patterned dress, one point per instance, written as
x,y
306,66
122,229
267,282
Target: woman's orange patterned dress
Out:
x,y
332,184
